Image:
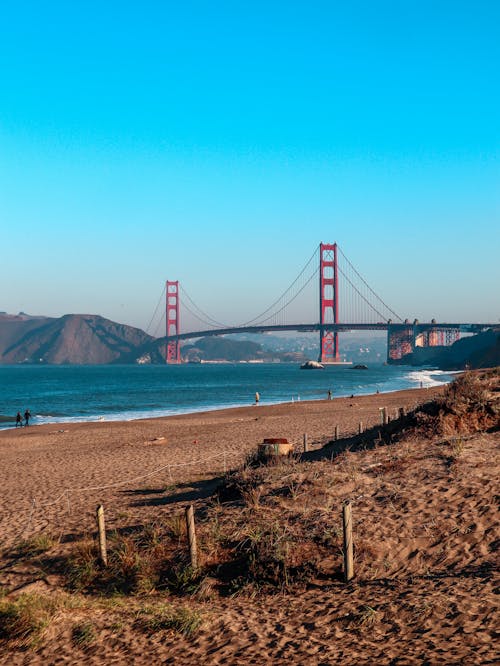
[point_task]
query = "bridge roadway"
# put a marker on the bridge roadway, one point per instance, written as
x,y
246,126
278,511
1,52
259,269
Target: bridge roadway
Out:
x,y
340,328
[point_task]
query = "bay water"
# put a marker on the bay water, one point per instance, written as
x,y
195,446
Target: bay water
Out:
x,y
62,394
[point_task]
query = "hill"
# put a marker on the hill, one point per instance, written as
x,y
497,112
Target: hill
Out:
x,y
92,339
71,339
222,348
14,327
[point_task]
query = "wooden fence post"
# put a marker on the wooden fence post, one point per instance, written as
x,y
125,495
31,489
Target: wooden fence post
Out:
x,y
348,546
336,433
191,532
103,555
360,428
305,442
385,416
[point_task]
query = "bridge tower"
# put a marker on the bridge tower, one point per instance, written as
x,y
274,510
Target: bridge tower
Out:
x,y
173,351
328,304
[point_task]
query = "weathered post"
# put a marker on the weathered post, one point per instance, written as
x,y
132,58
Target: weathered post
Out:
x,y
360,428
402,412
305,442
336,433
348,545
191,532
101,528
385,416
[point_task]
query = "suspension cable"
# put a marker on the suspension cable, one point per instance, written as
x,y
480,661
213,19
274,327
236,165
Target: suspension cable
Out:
x,y
156,309
209,321
162,321
198,318
368,286
258,317
208,318
360,294
314,274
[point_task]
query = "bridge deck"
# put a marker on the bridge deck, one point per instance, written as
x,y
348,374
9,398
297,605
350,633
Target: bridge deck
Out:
x,y
340,328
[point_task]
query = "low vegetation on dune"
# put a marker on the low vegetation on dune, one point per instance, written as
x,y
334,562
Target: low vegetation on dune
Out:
x,y
276,524
24,618
417,487
470,404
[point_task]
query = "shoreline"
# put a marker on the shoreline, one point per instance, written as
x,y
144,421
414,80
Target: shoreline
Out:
x,y
55,474
118,417
359,403
422,509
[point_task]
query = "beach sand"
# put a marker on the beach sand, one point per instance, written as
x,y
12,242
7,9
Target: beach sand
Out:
x,y
54,476
46,469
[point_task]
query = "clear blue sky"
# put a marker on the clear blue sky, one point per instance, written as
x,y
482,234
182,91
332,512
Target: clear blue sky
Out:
x,y
218,143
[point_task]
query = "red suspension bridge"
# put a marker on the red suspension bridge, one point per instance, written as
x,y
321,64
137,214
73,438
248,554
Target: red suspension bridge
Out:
x,y
333,297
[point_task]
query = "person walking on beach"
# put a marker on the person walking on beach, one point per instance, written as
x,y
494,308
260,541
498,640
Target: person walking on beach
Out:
x,y
329,394
257,397
19,420
27,416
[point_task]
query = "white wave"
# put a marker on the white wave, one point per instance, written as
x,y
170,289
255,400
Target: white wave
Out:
x,y
429,378
411,379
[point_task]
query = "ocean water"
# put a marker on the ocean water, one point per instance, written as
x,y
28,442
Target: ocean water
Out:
x,y
62,394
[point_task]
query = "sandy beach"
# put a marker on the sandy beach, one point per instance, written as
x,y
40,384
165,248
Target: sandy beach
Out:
x,y
46,469
424,599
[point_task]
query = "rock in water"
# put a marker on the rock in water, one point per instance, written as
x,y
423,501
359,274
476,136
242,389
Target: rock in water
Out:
x,y
312,365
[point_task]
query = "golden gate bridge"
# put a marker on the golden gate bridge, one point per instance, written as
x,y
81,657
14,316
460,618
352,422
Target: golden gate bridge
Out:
x,y
343,301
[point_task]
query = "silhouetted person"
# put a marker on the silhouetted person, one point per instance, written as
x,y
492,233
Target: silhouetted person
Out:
x,y
27,417
329,394
19,420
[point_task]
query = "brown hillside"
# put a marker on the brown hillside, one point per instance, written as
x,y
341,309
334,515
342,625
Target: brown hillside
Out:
x,y
14,328
76,339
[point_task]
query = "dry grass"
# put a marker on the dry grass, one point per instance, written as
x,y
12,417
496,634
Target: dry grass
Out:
x,y
274,532
469,404
35,545
23,620
275,525
182,620
83,634
147,560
